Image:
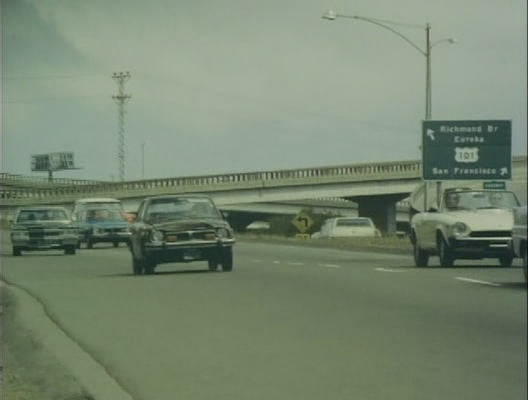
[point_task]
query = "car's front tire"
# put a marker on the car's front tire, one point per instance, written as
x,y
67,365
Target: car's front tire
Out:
x,y
227,259
137,266
213,263
16,251
445,253
69,250
421,257
506,260
525,266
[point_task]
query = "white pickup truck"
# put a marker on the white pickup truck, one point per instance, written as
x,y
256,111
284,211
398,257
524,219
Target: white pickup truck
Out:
x,y
519,236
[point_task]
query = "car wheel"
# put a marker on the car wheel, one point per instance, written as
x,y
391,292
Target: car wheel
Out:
x,y
17,252
116,244
148,266
421,257
525,266
227,259
79,245
213,263
137,266
89,244
69,250
506,260
445,253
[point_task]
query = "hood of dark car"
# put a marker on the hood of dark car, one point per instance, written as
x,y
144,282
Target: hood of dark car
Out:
x,y
191,224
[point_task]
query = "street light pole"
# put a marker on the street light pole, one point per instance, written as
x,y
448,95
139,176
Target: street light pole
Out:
x,y
332,15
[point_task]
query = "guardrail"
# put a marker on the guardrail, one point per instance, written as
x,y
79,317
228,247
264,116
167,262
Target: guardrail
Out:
x,y
209,183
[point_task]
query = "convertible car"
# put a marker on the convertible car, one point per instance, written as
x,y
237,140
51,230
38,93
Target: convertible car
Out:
x,y
180,228
469,224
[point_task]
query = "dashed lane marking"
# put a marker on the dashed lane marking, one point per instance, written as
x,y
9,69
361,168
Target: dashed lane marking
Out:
x,y
330,266
461,278
389,270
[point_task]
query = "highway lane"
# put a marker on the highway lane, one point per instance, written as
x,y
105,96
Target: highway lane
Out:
x,y
290,323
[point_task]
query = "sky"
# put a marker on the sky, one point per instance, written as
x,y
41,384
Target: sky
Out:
x,y
246,85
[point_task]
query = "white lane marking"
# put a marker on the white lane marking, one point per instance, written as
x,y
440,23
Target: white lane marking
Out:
x,y
276,262
330,266
389,270
461,278
257,261
294,263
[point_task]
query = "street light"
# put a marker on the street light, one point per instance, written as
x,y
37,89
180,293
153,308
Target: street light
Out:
x,y
332,15
426,51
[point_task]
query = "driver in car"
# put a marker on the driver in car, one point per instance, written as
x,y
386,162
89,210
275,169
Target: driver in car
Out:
x,y
452,200
495,199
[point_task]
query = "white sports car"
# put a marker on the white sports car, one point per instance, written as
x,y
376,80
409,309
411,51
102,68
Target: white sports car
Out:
x,y
469,224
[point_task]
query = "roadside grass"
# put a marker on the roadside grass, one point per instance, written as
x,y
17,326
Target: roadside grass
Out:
x,y
390,244
30,372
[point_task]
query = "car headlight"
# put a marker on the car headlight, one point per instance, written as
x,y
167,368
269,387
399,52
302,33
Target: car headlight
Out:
x,y
21,235
460,229
156,236
222,233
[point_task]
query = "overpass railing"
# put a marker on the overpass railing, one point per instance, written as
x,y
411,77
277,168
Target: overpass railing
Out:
x,y
211,183
13,180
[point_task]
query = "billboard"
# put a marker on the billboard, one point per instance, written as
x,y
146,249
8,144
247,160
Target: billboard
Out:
x,y
52,161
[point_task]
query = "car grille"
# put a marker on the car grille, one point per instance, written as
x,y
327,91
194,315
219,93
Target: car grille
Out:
x,y
190,235
36,233
486,234
115,230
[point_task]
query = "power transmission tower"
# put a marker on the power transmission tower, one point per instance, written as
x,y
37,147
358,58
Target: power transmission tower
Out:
x,y
121,99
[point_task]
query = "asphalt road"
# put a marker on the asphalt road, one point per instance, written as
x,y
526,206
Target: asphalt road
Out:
x,y
290,323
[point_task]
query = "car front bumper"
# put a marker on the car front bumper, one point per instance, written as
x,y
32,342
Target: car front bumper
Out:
x,y
476,248
109,237
192,250
45,243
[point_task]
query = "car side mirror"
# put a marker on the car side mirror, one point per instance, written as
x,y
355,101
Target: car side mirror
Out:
x,y
225,214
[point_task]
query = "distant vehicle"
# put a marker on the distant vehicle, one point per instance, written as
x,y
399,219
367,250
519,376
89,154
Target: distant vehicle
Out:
x,y
43,228
180,228
258,226
341,227
470,224
519,236
101,220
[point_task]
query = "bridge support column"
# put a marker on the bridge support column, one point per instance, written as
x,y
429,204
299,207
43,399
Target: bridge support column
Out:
x,y
381,209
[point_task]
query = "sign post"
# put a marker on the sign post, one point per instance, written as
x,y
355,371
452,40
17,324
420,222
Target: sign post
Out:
x,y
302,222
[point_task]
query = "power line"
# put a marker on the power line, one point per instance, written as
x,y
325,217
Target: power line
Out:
x,y
121,99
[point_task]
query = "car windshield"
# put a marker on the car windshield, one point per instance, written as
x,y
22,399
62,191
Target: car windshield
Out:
x,y
479,199
103,212
162,210
355,222
26,216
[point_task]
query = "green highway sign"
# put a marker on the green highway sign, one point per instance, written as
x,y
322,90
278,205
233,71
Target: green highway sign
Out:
x,y
466,150
497,185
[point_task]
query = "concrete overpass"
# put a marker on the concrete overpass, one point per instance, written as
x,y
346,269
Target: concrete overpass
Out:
x,y
375,187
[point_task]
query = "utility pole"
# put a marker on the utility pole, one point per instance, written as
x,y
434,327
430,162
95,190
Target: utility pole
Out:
x,y
143,160
121,99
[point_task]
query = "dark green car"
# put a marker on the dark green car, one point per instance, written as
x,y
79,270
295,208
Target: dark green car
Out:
x,y
180,228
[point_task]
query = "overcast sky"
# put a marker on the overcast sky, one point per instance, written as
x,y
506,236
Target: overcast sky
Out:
x,y
243,85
